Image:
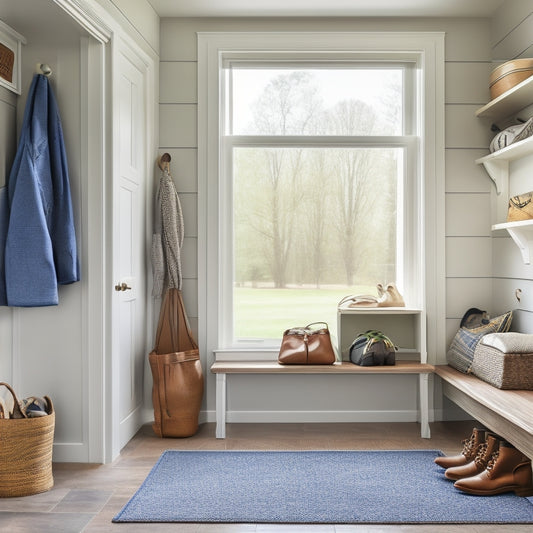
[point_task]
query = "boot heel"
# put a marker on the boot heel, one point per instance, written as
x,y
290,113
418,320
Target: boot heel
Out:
x,y
525,492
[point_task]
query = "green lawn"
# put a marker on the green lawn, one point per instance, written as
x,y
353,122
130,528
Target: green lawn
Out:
x,y
267,313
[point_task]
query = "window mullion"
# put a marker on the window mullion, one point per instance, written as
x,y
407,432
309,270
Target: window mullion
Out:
x,y
318,141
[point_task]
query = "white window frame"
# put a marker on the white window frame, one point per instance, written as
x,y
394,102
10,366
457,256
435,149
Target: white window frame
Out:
x,y
427,51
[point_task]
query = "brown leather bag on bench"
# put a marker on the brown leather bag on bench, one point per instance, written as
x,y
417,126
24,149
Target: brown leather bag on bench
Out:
x,y
307,346
178,383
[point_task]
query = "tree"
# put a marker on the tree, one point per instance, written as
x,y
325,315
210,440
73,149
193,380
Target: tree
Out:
x,y
288,106
352,175
301,210
316,214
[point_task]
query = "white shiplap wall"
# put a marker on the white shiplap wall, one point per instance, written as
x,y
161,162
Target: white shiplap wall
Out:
x,y
468,242
512,37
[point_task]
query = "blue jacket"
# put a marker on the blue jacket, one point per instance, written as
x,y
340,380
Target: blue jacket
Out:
x,y
40,249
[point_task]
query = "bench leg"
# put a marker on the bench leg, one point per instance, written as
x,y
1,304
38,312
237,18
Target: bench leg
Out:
x,y
424,405
221,406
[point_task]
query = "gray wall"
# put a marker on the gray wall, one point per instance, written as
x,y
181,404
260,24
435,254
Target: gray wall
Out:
x,y
468,200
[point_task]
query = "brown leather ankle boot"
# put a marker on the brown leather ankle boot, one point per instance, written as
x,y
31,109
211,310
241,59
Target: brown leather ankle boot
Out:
x,y
507,470
480,461
470,449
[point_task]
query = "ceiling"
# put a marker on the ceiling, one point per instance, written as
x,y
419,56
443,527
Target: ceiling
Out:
x,y
325,8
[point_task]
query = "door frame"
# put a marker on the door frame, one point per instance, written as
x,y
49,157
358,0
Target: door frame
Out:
x,y
97,175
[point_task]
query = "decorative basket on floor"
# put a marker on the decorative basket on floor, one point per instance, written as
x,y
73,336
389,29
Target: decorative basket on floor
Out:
x,y
26,452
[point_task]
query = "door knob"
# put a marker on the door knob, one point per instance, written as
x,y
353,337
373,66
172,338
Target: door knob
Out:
x,y
122,287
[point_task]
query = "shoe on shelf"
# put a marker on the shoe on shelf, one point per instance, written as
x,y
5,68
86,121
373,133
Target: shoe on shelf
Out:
x,y
389,296
480,462
469,452
508,470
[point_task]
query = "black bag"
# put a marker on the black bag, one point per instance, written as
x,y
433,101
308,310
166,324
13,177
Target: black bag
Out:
x,y
372,348
474,318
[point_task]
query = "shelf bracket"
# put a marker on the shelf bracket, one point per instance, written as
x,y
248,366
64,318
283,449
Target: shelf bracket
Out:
x,y
524,241
498,171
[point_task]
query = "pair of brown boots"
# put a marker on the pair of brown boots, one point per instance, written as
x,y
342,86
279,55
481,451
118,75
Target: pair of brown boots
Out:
x,y
489,465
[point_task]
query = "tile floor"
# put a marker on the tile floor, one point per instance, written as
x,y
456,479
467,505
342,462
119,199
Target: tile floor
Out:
x,y
86,497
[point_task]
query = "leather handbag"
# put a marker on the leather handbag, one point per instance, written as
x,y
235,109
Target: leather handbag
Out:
x,y
307,346
178,383
177,392
372,348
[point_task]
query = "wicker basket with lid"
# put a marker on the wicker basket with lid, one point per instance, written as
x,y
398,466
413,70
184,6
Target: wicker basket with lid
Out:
x,y
509,74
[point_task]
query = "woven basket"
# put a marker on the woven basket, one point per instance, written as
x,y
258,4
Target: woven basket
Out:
x,y
503,370
7,60
506,76
26,453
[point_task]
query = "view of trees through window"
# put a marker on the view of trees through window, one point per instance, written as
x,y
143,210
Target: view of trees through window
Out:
x,y
315,205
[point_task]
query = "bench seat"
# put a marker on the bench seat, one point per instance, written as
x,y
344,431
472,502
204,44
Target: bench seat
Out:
x,y
509,413
222,368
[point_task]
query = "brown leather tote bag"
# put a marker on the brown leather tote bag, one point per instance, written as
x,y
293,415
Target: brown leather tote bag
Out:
x,y
178,383
307,346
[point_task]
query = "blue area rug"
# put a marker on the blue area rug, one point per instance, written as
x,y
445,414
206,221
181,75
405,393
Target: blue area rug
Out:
x,y
334,487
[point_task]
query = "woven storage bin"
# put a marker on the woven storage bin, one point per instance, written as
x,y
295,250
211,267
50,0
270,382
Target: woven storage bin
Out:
x,y
26,453
505,360
509,74
7,60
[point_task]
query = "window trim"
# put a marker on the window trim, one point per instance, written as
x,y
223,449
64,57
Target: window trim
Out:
x,y
428,48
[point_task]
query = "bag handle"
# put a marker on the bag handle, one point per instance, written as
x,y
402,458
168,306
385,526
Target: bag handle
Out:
x,y
16,405
313,323
345,299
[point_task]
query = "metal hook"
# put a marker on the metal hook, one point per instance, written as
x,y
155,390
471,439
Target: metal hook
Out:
x,y
43,68
164,162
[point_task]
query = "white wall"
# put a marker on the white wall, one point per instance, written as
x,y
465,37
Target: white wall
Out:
x,y
8,142
137,18
42,354
44,351
512,37
468,241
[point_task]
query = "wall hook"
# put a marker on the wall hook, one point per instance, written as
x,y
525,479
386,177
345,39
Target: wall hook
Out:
x,y
43,68
518,294
164,162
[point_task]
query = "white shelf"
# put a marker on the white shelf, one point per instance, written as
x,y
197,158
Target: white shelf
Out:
x,y
497,163
508,103
522,234
406,327
379,310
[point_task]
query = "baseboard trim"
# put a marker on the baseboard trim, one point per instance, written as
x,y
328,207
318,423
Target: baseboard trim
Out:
x,y
260,417
70,452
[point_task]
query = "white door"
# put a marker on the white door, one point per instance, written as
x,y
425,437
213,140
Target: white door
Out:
x,y
129,223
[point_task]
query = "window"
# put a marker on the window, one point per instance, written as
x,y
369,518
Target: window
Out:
x,y
317,185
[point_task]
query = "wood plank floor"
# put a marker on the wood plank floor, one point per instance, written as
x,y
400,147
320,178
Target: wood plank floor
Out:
x,y
86,497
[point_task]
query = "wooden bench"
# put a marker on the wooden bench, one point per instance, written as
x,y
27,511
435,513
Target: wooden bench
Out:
x,y
509,413
222,368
